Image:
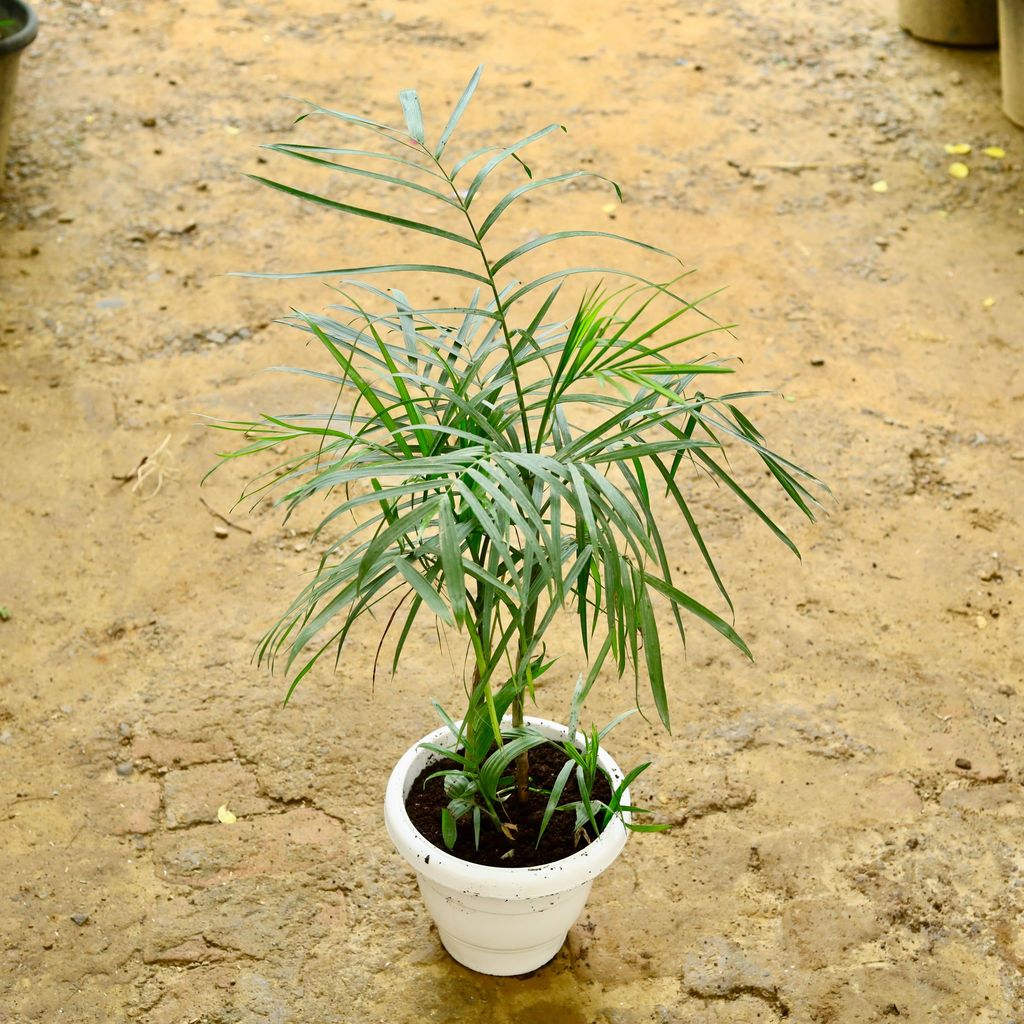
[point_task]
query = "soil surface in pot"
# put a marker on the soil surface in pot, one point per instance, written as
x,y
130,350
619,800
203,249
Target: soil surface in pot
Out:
x,y
425,801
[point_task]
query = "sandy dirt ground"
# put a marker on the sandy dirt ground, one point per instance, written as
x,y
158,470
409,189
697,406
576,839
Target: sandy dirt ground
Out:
x,y
830,861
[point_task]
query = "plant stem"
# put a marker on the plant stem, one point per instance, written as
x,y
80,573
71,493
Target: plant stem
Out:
x,y
523,761
499,308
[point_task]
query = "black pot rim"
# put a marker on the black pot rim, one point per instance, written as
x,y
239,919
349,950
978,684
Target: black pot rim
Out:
x,y
21,12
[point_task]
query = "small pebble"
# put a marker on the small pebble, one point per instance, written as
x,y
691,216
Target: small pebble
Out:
x,y
124,769
956,78
79,919
817,361
124,730
149,122
300,546
963,763
220,532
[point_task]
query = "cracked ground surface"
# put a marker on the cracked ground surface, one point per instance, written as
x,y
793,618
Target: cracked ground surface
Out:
x,y
848,809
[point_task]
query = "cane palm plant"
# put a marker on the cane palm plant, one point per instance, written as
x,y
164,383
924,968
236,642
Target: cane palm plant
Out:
x,y
492,462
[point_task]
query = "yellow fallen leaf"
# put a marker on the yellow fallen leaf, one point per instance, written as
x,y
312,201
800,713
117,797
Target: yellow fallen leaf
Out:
x,y
608,208
959,170
224,816
989,302
957,149
996,152
880,186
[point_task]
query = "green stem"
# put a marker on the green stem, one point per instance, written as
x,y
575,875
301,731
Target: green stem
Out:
x,y
523,761
498,306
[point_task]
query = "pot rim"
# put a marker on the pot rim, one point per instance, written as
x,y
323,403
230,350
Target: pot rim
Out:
x,y
481,879
20,11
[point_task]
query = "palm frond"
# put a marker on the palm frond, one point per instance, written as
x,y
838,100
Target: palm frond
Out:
x,y
500,458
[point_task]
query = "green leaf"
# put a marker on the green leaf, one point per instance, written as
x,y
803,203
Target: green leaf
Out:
x,y
556,794
423,589
557,236
652,654
451,559
504,154
469,158
746,499
449,829
361,172
375,126
445,752
384,268
401,222
620,790
367,153
455,730
617,720
676,369
456,115
696,608
512,196
494,767
413,115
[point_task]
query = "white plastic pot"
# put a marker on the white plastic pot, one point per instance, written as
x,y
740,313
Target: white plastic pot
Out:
x,y
498,920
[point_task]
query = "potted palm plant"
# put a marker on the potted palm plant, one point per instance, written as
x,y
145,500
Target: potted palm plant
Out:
x,y
491,464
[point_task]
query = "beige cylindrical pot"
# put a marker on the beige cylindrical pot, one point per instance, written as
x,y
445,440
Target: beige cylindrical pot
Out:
x,y
951,22
1011,58
12,42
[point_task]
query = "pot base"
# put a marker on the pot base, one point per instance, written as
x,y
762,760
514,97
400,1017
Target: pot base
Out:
x,y
502,934
497,961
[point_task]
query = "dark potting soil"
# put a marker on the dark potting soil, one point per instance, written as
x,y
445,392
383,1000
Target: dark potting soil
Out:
x,y
424,804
